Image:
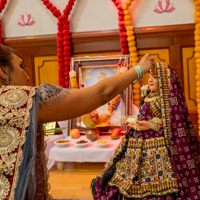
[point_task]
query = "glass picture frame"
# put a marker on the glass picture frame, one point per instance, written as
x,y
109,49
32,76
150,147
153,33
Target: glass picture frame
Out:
x,y
91,70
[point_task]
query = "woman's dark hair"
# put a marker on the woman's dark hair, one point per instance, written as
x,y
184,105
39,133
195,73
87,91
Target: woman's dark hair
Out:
x,y
111,170
6,56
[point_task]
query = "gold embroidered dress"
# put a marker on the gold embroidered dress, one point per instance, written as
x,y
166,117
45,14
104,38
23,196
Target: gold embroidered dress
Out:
x,y
23,172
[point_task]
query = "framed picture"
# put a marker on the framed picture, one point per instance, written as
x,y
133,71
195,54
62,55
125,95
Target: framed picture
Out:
x,y
91,70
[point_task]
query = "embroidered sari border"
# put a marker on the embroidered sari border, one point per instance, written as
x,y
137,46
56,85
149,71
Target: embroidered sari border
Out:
x,y
163,74
19,159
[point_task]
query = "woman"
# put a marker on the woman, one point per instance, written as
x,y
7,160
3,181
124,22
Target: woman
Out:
x,y
159,158
23,173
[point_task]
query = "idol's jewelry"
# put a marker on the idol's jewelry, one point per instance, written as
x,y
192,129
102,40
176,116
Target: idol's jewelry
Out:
x,y
152,97
140,73
155,123
8,80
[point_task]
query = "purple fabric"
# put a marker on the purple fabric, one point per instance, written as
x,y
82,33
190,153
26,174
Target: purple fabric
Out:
x,y
184,148
112,193
184,144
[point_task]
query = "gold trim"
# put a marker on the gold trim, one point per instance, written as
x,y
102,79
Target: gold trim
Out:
x,y
23,138
163,74
150,99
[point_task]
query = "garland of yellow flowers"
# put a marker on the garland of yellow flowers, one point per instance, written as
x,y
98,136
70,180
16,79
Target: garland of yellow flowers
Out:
x,y
132,47
197,54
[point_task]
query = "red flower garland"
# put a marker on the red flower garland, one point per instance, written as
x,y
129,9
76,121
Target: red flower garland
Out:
x,y
2,6
63,38
63,41
122,29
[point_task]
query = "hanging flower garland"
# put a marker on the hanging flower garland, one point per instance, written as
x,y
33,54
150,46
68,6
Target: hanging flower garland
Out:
x,y
63,41
122,29
2,6
132,47
197,54
127,40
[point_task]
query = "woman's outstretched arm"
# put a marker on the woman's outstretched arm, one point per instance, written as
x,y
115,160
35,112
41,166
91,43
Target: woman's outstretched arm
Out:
x,y
79,102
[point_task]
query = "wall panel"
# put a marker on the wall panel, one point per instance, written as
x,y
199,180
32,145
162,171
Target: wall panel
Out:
x,y
172,43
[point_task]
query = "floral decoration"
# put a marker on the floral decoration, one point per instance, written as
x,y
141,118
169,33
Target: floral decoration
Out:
x,y
164,6
144,89
197,54
26,20
63,41
122,29
2,6
92,120
132,47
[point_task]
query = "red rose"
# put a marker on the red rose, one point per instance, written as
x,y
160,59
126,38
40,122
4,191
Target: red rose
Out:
x,y
67,47
57,13
59,50
122,34
121,12
59,44
123,39
66,21
60,59
61,74
67,53
67,58
124,50
59,55
60,28
60,23
60,34
53,8
124,44
61,65
66,42
66,37
61,80
67,63
60,18
62,85
45,2
122,28
66,32
65,26
121,23
61,70
49,5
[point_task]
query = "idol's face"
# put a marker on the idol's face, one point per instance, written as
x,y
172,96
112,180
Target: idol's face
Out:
x,y
153,82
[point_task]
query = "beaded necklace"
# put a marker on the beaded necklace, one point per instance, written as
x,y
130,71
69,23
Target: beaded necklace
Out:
x,y
152,97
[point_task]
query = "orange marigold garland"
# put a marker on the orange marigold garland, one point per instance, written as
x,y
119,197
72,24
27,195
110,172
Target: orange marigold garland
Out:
x,y
2,6
132,47
197,54
63,41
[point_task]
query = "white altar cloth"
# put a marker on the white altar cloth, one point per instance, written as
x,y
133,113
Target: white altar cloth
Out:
x,y
91,153
50,139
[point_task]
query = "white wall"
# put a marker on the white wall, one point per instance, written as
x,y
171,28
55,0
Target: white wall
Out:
x,y
89,15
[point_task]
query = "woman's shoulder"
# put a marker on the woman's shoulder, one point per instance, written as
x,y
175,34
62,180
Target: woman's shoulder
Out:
x,y
55,92
46,90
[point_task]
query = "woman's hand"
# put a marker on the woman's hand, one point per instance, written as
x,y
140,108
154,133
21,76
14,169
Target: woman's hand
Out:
x,y
140,126
147,63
